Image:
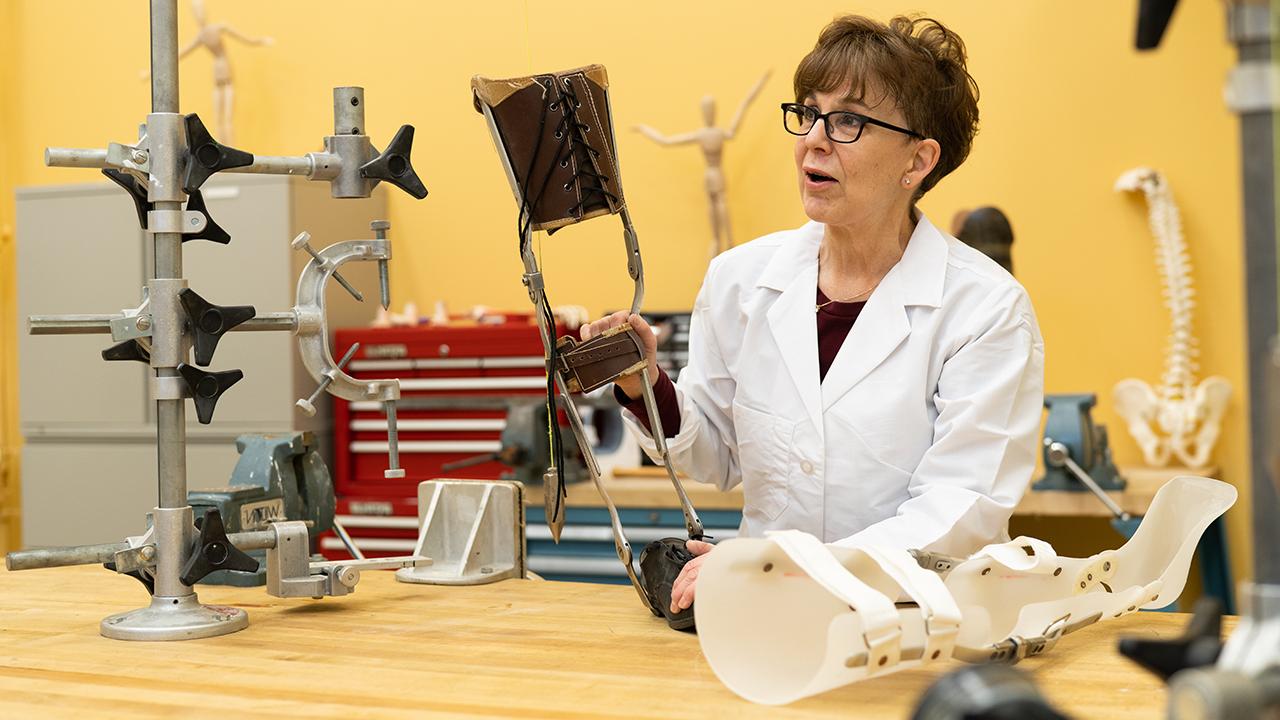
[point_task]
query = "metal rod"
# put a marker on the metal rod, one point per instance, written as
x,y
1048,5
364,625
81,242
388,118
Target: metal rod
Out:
x,y
167,137
346,540
620,544
393,436
303,242
348,111
101,324
75,157
314,166
164,56
278,165
380,228
1083,477
1059,455
96,554
693,524
1251,96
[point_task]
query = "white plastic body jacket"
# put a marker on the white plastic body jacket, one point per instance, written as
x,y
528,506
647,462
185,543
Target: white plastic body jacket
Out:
x,y
922,435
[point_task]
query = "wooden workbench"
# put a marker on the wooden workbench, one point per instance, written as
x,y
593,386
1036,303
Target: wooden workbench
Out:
x,y
514,649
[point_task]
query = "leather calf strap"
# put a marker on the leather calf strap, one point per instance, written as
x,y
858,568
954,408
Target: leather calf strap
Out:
x,y
586,366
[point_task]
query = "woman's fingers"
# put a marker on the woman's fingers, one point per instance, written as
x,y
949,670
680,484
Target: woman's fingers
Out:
x,y
682,589
698,547
592,329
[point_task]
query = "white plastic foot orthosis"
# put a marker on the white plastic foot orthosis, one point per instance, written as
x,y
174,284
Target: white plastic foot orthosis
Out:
x,y
785,617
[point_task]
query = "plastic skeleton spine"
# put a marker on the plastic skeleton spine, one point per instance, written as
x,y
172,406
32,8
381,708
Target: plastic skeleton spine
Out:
x,y
784,617
570,155
1187,414
166,168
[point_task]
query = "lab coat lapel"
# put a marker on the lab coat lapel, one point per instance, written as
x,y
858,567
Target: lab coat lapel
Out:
x,y
794,272
883,324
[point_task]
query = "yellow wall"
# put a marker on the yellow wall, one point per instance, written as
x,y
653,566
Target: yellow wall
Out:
x,y
1066,105
10,531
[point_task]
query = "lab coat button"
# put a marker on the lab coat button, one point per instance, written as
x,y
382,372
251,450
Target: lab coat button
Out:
x,y
807,467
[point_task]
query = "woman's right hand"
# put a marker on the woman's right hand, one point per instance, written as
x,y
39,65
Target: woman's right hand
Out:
x,y
630,385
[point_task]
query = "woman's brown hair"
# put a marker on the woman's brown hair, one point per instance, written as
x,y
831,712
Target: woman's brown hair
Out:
x,y
917,63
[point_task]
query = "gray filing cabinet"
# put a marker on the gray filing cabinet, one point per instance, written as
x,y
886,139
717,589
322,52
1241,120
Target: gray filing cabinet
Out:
x,y
89,459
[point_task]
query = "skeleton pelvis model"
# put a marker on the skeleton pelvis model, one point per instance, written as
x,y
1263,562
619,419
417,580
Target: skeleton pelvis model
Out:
x,y
784,617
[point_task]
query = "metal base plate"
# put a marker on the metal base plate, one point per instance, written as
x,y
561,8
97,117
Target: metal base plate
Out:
x,y
174,618
432,575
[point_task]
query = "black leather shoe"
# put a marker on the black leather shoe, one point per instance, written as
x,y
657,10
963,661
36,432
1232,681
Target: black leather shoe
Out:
x,y
660,565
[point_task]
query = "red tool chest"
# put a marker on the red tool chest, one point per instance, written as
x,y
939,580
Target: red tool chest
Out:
x,y
453,379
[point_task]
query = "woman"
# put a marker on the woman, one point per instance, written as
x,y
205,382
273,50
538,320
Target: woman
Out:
x,y
865,378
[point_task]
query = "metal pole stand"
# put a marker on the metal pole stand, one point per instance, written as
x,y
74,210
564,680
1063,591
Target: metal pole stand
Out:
x,y
163,170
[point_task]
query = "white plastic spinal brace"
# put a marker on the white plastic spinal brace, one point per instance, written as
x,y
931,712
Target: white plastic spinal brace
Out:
x,y
785,617
1186,413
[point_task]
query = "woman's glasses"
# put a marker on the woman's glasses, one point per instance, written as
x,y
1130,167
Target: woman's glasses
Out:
x,y
842,126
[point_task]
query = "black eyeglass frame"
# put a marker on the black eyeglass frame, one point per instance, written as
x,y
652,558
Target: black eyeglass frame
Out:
x,y
863,122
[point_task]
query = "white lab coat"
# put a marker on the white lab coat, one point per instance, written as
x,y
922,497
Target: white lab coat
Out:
x,y
923,433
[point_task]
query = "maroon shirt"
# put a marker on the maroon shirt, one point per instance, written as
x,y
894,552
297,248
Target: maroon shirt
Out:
x,y
834,323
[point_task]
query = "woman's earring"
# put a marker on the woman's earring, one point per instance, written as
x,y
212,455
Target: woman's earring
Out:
x,y
906,181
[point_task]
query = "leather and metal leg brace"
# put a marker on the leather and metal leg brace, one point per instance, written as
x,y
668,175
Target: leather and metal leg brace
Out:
x,y
554,133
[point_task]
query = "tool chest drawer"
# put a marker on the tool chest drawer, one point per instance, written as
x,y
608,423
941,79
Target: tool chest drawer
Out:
x,y
457,384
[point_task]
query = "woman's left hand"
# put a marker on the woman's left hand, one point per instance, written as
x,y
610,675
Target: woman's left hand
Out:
x,y
682,588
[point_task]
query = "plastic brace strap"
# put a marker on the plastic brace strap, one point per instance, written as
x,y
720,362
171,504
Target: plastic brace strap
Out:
x,y
938,608
881,624
1042,560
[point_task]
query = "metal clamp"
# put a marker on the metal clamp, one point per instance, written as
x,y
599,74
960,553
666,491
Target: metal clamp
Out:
x,y
290,572
186,222
134,159
170,387
313,335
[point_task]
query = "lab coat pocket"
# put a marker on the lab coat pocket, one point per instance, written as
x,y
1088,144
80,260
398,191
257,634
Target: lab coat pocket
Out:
x,y
764,443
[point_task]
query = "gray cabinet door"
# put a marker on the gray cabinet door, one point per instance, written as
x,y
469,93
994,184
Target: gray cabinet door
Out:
x,y
252,270
98,489
79,252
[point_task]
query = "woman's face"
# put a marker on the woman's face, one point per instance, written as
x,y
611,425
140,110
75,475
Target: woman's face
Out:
x,y
853,183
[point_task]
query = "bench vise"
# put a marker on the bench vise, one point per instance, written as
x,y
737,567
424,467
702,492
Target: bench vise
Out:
x,y
279,477
1070,429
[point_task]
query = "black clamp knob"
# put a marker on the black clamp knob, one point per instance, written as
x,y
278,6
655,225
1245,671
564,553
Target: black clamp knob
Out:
x,y
147,581
209,322
127,350
213,551
393,166
212,231
985,692
206,156
1200,644
136,190
206,387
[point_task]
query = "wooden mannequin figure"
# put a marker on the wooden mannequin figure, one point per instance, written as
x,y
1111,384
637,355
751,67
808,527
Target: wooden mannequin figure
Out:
x,y
712,139
210,36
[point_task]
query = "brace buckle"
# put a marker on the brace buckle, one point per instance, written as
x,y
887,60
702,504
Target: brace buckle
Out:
x,y
940,639
884,649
